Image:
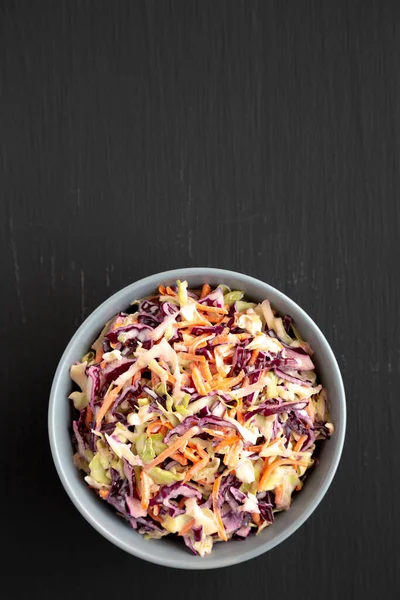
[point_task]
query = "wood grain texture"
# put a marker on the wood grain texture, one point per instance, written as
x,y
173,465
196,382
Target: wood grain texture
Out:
x,y
138,136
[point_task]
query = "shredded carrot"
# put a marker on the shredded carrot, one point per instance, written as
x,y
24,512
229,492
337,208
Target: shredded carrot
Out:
x,y
154,515
197,466
88,417
99,354
214,319
205,290
256,518
156,509
217,513
153,427
177,445
108,401
278,493
145,482
170,291
268,468
187,527
154,379
254,448
239,417
182,460
242,336
190,324
205,370
198,381
227,442
220,339
181,502
228,383
191,356
162,290
190,455
253,358
299,443
214,309
104,494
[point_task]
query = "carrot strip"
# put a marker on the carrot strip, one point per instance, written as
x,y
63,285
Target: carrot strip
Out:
x,y
182,460
199,465
187,527
88,417
146,482
299,443
217,513
154,515
191,356
99,354
215,309
205,290
198,381
220,339
228,383
108,401
177,445
253,358
154,379
215,320
190,455
205,370
268,468
278,493
256,518
170,291
190,324
162,290
153,427
242,336
104,494
227,442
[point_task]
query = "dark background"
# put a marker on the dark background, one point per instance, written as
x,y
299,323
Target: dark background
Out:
x,y
256,136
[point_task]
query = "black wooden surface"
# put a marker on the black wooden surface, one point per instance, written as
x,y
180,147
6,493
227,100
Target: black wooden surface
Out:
x,y
257,136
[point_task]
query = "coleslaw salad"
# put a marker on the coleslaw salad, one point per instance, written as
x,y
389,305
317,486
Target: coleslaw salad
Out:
x,y
198,414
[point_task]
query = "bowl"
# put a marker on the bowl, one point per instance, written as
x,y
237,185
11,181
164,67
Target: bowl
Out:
x,y
173,553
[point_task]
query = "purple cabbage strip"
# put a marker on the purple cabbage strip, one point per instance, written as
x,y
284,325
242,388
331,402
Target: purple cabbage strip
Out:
x,y
214,298
130,394
93,374
269,408
116,368
200,329
193,420
291,378
136,330
130,476
169,492
80,441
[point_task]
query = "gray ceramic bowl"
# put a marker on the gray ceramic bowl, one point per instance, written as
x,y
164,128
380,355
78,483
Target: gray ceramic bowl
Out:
x,y
173,553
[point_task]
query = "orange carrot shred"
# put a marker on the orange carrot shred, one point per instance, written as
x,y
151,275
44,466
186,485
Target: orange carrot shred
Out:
x,y
253,358
187,527
88,416
177,445
205,290
214,309
182,460
299,443
146,482
278,493
217,513
104,493
108,401
268,468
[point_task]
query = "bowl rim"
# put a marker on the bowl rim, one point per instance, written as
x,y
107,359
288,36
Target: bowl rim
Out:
x,y
91,322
